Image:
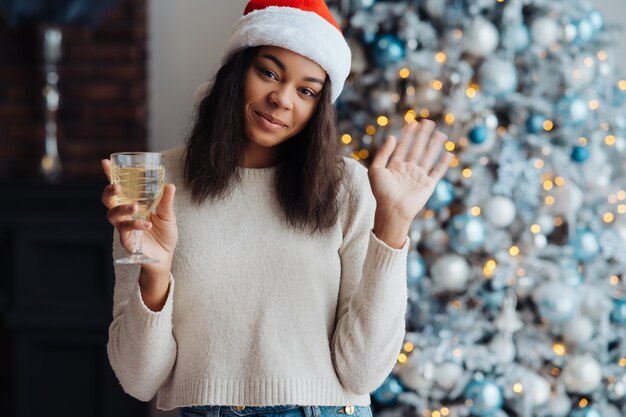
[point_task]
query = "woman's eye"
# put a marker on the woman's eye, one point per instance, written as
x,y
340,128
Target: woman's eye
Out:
x,y
269,74
307,92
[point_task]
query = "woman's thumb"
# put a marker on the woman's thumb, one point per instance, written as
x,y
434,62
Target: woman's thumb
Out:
x,y
165,209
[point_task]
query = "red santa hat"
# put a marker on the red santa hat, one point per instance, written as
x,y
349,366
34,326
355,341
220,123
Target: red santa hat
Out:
x,y
302,26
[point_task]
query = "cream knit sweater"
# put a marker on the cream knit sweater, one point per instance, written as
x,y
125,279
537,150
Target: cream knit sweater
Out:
x,y
258,314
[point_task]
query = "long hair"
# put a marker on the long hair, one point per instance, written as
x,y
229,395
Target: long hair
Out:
x,y
311,166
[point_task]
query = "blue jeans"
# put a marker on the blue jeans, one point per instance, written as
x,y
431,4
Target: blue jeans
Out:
x,y
273,411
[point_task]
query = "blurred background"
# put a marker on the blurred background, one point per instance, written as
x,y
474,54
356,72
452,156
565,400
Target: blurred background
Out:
x,y
80,80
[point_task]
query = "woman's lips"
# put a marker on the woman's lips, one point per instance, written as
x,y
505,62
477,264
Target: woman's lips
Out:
x,y
269,121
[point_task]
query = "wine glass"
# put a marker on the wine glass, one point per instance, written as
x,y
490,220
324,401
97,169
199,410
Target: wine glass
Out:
x,y
141,176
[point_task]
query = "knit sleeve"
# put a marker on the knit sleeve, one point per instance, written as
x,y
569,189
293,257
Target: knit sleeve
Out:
x,y
370,318
141,346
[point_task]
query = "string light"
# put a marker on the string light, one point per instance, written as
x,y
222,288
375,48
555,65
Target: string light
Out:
x,y
408,347
622,85
622,362
514,251
445,411
535,228
467,173
518,388
594,104
404,73
355,155
621,195
609,140
370,130
470,92
547,185
449,118
455,162
559,181
608,217
614,280
346,139
424,113
539,163
548,125
475,211
450,146
602,55
440,57
436,85
549,200
621,209
458,34
559,349
402,358
583,403
588,62
382,121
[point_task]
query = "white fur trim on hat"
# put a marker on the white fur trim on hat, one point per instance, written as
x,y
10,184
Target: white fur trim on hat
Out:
x,y
303,32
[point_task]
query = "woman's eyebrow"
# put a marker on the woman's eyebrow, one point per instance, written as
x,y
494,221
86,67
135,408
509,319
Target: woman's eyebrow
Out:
x,y
280,65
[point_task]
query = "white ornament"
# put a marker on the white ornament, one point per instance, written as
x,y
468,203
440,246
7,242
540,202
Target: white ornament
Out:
x,y
545,31
500,211
567,200
450,272
578,330
502,348
497,76
448,375
539,390
582,374
481,37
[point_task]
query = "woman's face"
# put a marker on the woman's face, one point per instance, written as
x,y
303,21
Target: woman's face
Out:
x,y
281,94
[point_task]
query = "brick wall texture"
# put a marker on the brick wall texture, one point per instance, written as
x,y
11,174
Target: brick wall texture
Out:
x,y
102,82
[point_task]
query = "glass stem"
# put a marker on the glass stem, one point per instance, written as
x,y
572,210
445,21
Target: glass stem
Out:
x,y
137,240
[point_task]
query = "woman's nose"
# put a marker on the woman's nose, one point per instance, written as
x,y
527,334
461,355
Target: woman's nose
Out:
x,y
281,97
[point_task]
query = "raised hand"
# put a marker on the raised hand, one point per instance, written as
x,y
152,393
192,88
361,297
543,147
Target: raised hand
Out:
x,y
403,176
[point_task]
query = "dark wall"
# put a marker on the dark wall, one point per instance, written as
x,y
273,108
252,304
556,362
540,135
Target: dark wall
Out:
x,y
103,93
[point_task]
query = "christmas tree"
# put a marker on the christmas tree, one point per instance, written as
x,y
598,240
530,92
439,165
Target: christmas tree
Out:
x,y
517,266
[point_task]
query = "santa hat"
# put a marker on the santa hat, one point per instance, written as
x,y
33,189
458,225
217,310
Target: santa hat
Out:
x,y
302,26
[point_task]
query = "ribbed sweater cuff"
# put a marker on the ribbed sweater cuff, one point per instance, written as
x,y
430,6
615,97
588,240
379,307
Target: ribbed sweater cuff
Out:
x,y
385,259
146,318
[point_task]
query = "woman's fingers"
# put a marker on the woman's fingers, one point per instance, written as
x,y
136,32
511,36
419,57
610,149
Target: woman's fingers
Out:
x,y
384,153
106,167
109,195
405,141
128,226
433,150
119,213
422,137
442,166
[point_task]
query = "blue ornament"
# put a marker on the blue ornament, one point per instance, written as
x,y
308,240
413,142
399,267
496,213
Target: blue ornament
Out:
x,y
466,233
442,196
586,245
478,134
485,396
388,392
534,123
516,37
597,20
572,110
415,268
580,154
498,77
585,412
585,32
618,315
388,50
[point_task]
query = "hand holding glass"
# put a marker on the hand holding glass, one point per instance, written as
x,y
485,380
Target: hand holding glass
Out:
x,y
141,176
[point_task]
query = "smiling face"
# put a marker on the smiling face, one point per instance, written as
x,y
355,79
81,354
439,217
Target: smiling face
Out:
x,y
281,94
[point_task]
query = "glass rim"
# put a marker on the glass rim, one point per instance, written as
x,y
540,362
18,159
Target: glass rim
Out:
x,y
136,153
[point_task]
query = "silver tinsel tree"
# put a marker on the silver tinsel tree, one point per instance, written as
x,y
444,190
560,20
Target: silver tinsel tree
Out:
x,y
516,274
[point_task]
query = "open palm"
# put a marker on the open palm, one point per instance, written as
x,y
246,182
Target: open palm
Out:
x,y
403,174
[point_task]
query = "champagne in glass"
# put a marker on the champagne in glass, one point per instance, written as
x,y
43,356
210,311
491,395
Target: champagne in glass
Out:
x,y
141,176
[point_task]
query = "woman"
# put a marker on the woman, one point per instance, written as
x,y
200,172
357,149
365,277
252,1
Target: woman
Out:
x,y
281,282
